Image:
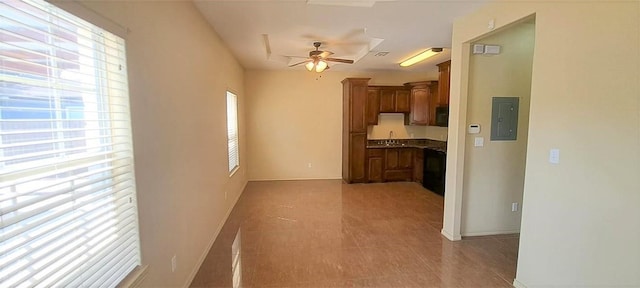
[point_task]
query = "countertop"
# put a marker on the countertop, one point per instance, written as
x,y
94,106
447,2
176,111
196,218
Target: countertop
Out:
x,y
408,143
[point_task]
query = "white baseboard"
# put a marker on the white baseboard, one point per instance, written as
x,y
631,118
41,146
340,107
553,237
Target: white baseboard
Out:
x,y
518,284
449,236
294,179
193,273
487,233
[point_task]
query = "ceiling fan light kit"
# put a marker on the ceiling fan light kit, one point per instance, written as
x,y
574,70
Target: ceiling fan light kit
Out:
x,y
317,65
318,59
420,57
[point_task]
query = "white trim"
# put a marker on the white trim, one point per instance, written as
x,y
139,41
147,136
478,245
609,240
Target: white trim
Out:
x,y
87,14
449,236
203,256
294,179
518,284
233,172
135,278
487,233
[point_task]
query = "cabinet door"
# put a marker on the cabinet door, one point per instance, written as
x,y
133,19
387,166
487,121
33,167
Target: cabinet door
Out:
x,y
357,157
433,103
419,106
443,83
391,159
405,158
403,102
387,101
373,106
418,165
374,171
358,106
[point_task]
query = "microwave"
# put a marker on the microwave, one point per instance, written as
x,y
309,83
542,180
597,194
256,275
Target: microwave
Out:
x,y
442,116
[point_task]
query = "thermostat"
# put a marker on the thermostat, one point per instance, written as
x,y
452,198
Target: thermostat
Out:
x,y
474,128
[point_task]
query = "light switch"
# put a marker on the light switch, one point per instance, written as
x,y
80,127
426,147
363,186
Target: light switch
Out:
x,y
554,156
479,142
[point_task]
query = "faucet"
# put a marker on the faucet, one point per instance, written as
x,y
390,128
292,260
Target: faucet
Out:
x,y
389,141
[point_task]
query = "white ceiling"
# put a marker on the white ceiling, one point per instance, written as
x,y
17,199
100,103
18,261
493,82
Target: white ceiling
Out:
x,y
356,29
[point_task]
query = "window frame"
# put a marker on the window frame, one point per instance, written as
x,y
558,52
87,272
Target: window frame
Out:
x,y
232,99
111,183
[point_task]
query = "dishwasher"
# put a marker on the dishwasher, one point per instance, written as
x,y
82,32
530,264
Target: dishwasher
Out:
x,y
435,162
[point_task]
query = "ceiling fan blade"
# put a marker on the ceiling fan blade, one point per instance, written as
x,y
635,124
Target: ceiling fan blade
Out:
x,y
325,54
339,60
303,62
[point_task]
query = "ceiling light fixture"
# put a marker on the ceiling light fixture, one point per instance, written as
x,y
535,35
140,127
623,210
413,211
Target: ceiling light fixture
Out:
x,y
422,56
317,65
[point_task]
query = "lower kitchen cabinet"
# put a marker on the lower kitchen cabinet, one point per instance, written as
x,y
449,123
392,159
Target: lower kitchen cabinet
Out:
x,y
356,159
418,165
394,164
398,164
397,175
374,165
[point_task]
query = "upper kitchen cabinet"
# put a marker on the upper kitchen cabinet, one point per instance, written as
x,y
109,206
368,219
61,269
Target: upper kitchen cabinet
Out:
x,y
373,105
355,92
444,70
394,99
423,94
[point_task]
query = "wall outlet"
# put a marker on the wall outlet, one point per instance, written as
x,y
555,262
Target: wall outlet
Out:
x,y
173,263
309,165
411,135
514,207
225,195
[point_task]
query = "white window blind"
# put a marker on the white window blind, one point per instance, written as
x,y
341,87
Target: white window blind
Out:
x,y
232,131
67,194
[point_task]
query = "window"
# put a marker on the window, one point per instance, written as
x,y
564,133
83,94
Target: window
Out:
x,y
232,131
67,190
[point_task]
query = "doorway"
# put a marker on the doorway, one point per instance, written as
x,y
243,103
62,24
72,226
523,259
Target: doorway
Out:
x,y
494,170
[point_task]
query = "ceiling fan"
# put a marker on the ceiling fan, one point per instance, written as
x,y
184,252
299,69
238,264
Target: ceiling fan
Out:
x,y
318,59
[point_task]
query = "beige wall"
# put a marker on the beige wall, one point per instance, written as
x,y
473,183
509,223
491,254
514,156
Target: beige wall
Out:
x,y
580,221
494,173
395,122
295,118
179,71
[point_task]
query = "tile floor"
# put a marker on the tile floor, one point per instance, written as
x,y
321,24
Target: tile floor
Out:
x,y
327,234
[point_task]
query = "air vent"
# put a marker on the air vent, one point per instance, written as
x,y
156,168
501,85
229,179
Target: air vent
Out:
x,y
381,54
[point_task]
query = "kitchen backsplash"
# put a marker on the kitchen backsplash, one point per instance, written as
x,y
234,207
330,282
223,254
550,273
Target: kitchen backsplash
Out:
x,y
395,122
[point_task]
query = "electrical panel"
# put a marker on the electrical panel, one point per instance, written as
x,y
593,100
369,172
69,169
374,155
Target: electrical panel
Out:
x,y
504,118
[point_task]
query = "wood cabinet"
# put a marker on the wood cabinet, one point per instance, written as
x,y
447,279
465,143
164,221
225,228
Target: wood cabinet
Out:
x,y
394,99
354,129
418,165
357,150
422,97
444,75
398,164
373,105
375,165
403,103
395,164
